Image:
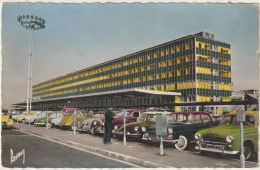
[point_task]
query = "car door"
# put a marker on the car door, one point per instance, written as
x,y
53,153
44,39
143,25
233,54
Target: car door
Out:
x,y
207,121
197,123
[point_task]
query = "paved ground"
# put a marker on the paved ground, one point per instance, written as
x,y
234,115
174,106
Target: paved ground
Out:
x,y
137,153
41,153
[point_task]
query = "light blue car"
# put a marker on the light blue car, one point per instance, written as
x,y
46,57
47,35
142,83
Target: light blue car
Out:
x,y
15,117
32,119
56,122
88,125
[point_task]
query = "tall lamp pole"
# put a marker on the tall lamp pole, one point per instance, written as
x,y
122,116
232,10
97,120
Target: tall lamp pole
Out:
x,y
31,23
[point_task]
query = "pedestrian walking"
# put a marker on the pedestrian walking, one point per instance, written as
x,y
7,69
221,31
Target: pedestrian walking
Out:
x,y
108,125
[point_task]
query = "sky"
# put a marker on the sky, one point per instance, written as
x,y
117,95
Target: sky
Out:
x,y
78,36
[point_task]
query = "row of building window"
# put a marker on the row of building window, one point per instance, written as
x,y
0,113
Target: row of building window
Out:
x,y
130,81
163,75
134,61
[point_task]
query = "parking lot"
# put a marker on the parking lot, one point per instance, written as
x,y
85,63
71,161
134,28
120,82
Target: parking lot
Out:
x,y
138,153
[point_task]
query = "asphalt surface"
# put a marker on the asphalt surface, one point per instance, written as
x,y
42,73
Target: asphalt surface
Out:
x,y
138,153
41,153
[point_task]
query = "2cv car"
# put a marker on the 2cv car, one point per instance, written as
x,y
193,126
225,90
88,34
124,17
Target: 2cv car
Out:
x,y
6,121
67,122
225,138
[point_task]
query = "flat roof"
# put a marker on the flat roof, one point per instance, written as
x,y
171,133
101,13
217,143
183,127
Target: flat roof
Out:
x,y
129,92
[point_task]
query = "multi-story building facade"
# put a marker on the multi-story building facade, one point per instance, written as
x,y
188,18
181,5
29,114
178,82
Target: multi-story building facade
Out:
x,y
197,65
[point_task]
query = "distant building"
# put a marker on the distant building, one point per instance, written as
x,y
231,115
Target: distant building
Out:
x,y
197,66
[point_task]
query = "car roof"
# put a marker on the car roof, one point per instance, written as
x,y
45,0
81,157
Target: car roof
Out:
x,y
192,113
248,113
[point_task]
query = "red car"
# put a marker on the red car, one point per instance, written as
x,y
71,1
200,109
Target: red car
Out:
x,y
132,115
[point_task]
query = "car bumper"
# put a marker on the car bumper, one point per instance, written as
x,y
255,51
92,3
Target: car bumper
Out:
x,y
131,135
159,140
217,150
39,123
6,126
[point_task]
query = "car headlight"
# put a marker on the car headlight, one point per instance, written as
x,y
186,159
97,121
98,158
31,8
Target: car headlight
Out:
x,y
95,122
170,130
229,139
136,128
197,136
115,127
143,129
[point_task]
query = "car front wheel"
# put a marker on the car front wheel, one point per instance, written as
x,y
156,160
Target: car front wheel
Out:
x,y
182,143
248,151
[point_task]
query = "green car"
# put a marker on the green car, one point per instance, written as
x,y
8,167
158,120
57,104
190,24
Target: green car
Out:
x,y
225,138
52,115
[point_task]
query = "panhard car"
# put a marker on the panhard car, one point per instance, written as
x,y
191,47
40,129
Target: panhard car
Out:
x,y
131,116
67,122
181,128
225,138
136,129
88,125
35,117
21,119
15,117
6,121
51,116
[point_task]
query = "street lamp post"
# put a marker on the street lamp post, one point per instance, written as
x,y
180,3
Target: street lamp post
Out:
x,y
31,23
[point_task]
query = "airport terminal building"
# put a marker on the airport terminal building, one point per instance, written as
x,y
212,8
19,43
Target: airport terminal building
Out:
x,y
194,68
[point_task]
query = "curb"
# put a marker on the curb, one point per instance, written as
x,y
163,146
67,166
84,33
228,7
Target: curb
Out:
x,y
111,154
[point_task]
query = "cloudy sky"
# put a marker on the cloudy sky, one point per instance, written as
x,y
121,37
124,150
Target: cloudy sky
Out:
x,y
82,35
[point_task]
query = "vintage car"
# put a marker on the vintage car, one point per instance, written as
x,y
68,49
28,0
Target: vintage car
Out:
x,y
52,115
56,121
225,138
132,115
181,128
6,121
32,119
88,125
67,122
21,119
15,117
136,129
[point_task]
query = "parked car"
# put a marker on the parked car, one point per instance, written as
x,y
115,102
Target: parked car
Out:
x,y
56,121
67,122
88,125
225,138
52,115
6,121
32,119
15,117
21,119
132,115
181,128
136,129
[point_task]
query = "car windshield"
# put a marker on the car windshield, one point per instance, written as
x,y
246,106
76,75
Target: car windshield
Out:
x,y
180,118
232,120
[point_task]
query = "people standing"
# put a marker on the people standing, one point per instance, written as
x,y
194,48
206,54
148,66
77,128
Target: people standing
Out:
x,y
108,125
